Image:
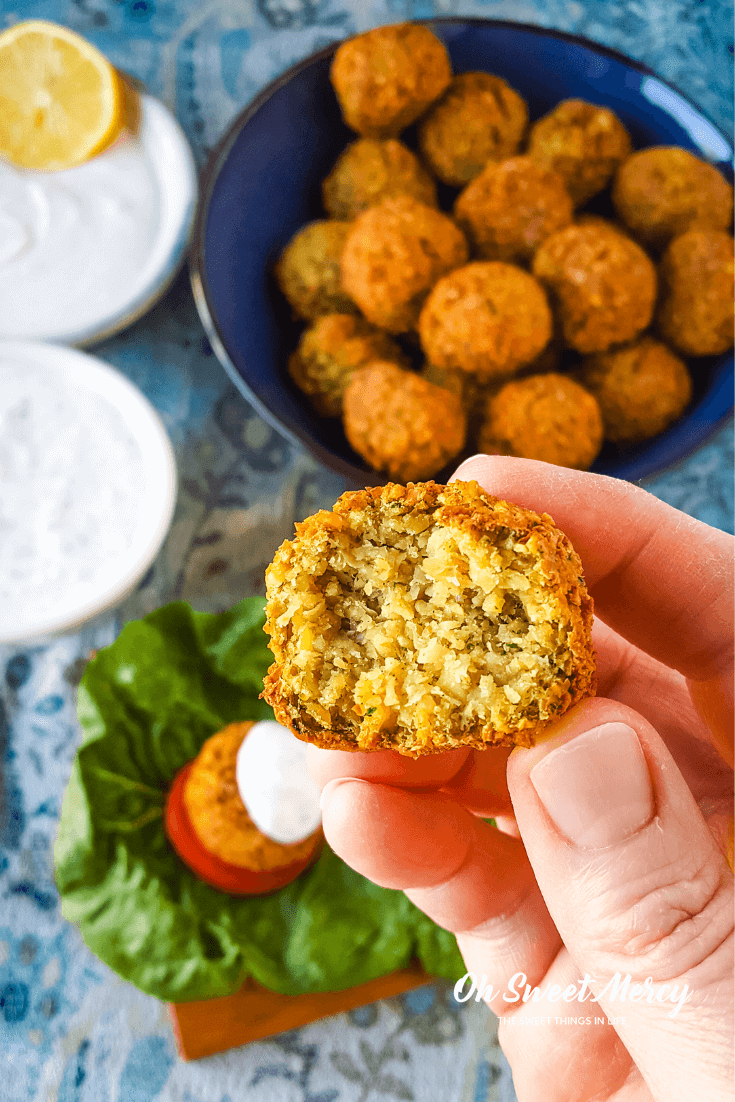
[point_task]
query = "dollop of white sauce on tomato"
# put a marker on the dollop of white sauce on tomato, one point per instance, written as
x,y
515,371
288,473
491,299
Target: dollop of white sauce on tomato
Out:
x,y
274,783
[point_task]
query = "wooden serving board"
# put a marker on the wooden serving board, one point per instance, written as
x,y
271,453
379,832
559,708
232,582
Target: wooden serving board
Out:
x,y
214,1025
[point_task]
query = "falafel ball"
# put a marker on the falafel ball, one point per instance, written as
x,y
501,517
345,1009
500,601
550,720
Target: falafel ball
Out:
x,y
511,207
664,191
479,118
471,390
308,270
370,171
426,617
218,816
394,254
583,142
695,311
384,79
602,284
641,389
488,318
401,423
547,417
328,353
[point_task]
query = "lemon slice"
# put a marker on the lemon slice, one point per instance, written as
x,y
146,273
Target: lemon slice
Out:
x,y
61,101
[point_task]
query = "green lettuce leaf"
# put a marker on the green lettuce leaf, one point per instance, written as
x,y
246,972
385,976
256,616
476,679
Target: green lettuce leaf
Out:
x,y
146,705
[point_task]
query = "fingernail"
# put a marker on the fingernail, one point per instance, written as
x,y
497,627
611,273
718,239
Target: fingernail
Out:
x,y
596,787
331,786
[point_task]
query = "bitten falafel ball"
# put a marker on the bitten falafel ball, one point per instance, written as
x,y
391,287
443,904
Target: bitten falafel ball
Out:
x,y
488,318
511,207
581,141
394,254
386,78
479,118
308,270
695,312
641,389
401,423
546,417
664,191
426,617
329,352
370,171
602,284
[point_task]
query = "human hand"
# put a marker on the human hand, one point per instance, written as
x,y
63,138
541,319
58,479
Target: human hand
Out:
x,y
613,827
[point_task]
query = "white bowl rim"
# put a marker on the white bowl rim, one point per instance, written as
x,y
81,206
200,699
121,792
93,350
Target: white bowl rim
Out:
x,y
159,501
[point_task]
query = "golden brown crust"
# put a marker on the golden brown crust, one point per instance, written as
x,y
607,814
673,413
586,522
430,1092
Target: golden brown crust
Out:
x,y
401,423
330,351
308,270
695,312
368,172
474,391
511,207
424,617
394,254
641,389
547,417
581,141
488,318
479,118
218,816
386,78
664,191
602,284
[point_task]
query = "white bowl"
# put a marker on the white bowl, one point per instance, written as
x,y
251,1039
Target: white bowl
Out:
x,y
151,501
50,208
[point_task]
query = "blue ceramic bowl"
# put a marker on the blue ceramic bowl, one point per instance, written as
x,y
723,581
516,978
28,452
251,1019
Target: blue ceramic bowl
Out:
x,y
264,182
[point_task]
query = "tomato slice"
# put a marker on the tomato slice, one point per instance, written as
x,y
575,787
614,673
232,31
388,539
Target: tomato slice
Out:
x,y
212,869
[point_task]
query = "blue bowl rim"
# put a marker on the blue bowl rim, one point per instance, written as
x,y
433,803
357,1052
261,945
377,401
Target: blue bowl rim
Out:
x,y
197,270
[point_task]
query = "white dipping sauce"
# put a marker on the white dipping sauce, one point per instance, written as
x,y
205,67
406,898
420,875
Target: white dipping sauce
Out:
x,y
75,244
71,480
274,784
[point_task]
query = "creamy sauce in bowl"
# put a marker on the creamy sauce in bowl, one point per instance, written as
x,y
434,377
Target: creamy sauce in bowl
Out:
x,y
73,243
87,488
85,251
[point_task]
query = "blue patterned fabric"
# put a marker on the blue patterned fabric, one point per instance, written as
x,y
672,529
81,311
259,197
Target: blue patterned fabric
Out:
x,y
69,1029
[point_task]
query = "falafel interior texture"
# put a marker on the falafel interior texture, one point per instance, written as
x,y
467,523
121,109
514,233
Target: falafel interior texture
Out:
x,y
423,617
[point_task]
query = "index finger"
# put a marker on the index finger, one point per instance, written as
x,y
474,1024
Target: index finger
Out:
x,y
475,778
386,766
659,578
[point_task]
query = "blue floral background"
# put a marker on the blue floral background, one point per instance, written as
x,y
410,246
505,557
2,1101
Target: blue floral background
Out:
x,y
70,1031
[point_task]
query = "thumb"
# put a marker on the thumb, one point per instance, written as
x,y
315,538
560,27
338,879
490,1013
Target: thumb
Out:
x,y
637,888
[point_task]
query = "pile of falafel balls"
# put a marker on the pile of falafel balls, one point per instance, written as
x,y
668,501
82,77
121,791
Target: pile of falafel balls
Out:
x,y
543,329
